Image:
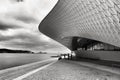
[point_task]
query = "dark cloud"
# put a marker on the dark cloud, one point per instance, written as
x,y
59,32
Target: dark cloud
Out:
x,y
3,38
20,36
22,15
19,0
16,1
4,26
26,19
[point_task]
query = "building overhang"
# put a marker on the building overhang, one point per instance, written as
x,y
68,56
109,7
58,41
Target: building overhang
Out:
x,y
80,18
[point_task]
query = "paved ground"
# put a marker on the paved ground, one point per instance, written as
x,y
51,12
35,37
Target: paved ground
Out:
x,y
12,73
70,70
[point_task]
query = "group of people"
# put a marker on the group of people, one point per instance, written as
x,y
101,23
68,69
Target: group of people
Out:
x,y
65,56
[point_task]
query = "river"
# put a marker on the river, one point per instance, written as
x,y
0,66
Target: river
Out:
x,y
12,60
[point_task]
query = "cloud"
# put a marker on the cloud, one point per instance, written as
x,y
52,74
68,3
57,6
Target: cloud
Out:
x,y
31,41
19,25
3,38
26,19
22,34
4,26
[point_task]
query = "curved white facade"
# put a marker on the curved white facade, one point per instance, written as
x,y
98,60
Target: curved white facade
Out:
x,y
94,19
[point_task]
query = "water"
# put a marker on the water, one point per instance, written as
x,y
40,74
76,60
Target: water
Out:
x,y
12,60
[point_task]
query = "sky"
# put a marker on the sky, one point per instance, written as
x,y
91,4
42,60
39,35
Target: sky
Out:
x,y
19,20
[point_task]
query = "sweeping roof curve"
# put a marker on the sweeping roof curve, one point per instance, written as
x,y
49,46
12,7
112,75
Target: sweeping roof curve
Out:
x,y
93,19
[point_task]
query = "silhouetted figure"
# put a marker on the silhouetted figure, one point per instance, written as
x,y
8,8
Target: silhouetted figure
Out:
x,y
68,56
71,56
59,58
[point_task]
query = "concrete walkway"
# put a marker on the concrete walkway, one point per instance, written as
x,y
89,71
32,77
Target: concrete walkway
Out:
x,y
15,72
73,70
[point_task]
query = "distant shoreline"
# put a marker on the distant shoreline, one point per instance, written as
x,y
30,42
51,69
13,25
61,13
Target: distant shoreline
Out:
x,y
14,51
4,50
22,53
